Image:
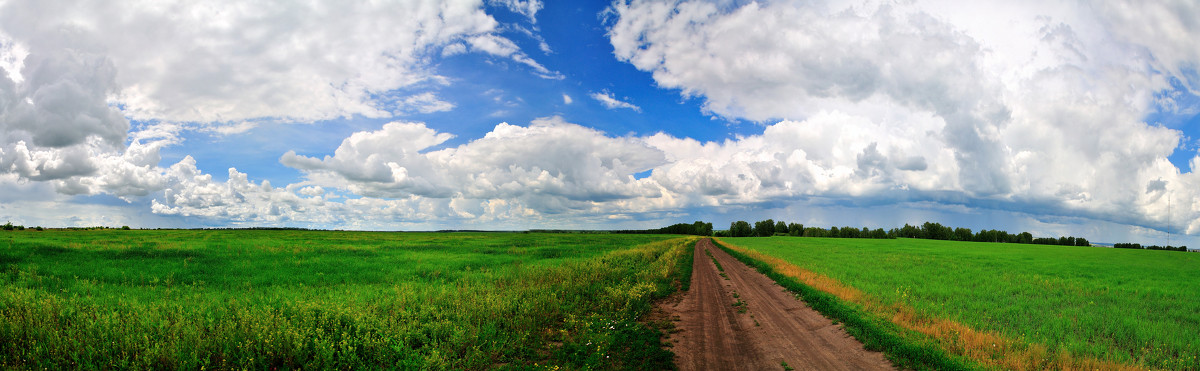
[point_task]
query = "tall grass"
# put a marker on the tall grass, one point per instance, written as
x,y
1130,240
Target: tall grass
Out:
x,y
288,299
1017,306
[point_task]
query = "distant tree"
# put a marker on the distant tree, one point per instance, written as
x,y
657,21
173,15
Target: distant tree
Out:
x,y
795,229
765,228
781,227
740,229
7,226
125,228
1025,237
880,234
1049,241
848,232
963,234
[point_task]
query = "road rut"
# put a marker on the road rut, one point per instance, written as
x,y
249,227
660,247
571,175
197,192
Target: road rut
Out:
x,y
770,328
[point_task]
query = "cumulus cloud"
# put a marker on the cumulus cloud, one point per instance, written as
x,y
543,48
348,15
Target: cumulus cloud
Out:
x,y
567,99
779,60
611,102
54,116
73,73
404,175
532,174
1029,108
1035,108
231,62
552,164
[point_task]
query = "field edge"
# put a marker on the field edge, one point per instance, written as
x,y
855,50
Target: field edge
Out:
x,y
905,348
973,347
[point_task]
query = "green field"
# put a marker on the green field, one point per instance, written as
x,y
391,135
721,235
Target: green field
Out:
x,y
1133,307
287,299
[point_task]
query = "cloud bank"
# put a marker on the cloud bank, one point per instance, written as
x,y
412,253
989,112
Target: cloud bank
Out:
x,y
233,61
1034,108
1040,107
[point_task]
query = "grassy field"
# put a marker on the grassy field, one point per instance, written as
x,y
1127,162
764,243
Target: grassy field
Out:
x,y
286,299
1036,306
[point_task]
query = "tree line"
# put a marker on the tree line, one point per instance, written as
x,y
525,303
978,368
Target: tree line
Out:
x,y
1151,247
936,231
698,228
771,227
10,227
928,230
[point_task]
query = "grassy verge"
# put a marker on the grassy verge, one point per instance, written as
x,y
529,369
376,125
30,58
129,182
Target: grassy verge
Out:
x,y
905,348
284,299
684,269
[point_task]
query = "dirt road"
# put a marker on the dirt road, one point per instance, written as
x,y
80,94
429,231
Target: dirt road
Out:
x,y
769,328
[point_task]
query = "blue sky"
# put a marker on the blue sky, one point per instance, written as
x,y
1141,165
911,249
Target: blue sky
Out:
x,y
1065,118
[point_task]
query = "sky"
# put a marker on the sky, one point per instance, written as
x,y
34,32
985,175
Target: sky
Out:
x,y
1054,117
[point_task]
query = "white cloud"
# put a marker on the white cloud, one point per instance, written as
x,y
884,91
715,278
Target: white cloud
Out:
x,y
454,49
550,163
1035,107
12,58
610,102
61,100
238,200
567,99
74,72
528,8
517,176
502,47
55,122
426,103
234,61
554,172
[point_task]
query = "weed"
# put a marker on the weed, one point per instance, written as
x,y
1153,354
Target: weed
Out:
x,y
714,260
741,306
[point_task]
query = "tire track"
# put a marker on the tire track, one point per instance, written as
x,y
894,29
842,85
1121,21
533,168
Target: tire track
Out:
x,y
772,327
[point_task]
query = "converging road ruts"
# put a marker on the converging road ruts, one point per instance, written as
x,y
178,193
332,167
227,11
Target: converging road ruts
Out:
x,y
748,322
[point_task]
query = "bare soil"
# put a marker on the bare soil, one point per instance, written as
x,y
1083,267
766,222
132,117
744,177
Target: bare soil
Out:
x,y
770,327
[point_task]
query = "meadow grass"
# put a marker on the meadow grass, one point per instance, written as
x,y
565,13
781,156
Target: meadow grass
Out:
x,y
289,299
1013,306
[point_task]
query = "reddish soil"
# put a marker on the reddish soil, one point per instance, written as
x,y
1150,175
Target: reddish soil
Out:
x,y
772,326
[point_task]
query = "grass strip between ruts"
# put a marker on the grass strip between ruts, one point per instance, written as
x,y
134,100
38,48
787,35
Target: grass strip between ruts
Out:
x,y
905,348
